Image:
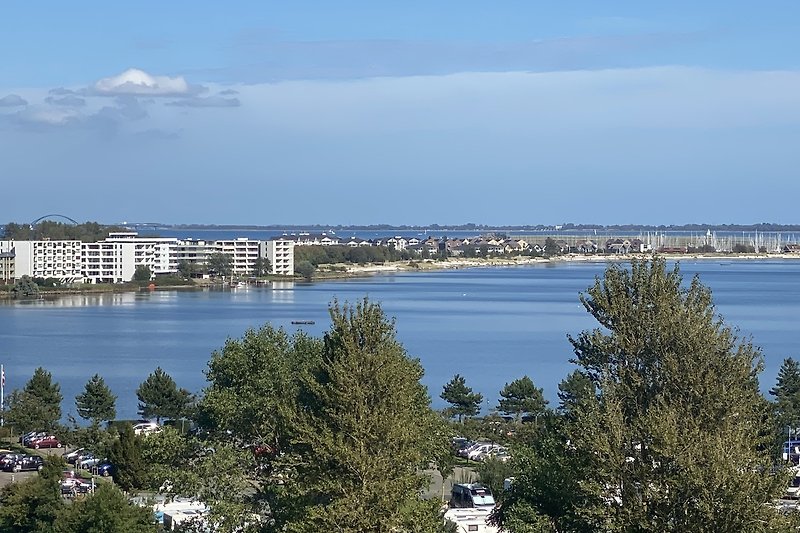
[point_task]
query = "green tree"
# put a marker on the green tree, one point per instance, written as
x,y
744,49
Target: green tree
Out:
x,y
188,269
463,401
96,402
159,397
126,457
366,428
551,247
108,510
262,267
25,287
37,406
520,397
787,394
305,269
219,264
575,390
142,273
675,440
34,504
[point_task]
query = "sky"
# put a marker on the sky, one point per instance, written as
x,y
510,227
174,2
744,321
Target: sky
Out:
x,y
413,112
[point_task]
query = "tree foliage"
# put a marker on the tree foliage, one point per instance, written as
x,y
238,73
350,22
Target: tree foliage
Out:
x,y
521,397
37,406
34,504
575,390
220,264
96,403
159,397
105,511
48,229
462,400
142,273
126,457
336,429
787,397
25,287
674,441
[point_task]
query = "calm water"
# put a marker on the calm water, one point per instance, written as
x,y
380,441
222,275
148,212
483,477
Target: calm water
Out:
x,y
491,325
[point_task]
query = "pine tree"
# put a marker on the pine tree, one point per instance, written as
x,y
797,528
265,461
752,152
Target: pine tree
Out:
x,y
96,402
787,396
159,397
675,439
463,401
37,406
367,428
575,390
520,397
126,457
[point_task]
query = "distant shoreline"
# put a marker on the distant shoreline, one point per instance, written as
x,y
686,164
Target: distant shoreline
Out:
x,y
458,263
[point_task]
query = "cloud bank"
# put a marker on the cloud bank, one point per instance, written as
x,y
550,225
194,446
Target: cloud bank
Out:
x,y
139,83
12,100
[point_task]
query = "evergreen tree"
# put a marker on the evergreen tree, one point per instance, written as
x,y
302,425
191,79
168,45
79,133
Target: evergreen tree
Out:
x,y
126,457
37,406
463,401
366,429
142,273
787,397
675,440
520,397
25,287
159,397
96,402
575,390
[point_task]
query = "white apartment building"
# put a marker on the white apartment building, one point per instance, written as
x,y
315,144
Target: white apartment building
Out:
x,y
280,253
115,259
45,259
243,253
108,262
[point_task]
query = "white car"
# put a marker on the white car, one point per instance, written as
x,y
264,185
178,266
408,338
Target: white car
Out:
x,y
146,428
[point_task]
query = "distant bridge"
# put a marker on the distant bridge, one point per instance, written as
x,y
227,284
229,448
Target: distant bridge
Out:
x,y
54,215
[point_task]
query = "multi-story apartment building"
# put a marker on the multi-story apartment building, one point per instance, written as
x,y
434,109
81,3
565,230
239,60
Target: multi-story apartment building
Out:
x,y
115,259
280,253
243,253
7,275
44,259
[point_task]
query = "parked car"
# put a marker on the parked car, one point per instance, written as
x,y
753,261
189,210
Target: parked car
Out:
x,y
71,484
49,441
9,458
104,469
145,428
480,451
464,452
30,437
71,457
471,495
26,462
87,461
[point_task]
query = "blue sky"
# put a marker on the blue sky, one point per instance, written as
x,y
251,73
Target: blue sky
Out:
x,y
401,112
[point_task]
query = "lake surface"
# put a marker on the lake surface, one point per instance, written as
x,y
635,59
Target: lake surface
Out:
x,y
491,325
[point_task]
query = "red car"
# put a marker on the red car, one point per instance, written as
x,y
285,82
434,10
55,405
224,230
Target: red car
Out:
x,y
49,441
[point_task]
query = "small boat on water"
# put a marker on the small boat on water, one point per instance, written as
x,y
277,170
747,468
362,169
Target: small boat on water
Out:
x,y
303,322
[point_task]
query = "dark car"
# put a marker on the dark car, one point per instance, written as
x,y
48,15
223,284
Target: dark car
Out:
x,y
9,458
26,462
104,469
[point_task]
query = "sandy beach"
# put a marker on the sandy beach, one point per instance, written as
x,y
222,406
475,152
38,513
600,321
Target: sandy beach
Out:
x,y
455,263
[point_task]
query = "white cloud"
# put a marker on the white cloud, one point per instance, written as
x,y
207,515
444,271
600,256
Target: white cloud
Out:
x,y
139,83
12,100
41,116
